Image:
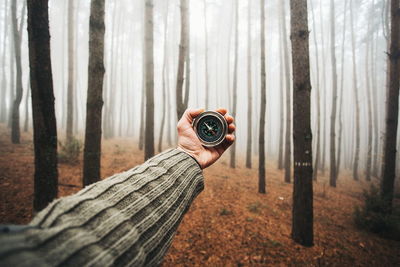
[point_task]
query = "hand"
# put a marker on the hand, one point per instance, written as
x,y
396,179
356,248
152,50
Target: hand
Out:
x,y
190,143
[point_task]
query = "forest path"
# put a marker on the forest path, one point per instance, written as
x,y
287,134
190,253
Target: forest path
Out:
x,y
229,224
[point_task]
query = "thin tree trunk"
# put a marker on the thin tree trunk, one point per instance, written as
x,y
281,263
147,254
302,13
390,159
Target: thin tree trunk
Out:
x,y
333,171
207,83
92,150
235,85
288,132
281,94
164,80
249,91
339,155
180,101
302,227
318,99
392,107
376,154
323,154
149,59
15,128
187,63
261,141
44,120
3,108
355,88
27,107
71,71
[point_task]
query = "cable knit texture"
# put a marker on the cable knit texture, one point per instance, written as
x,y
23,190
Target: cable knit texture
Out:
x,y
128,219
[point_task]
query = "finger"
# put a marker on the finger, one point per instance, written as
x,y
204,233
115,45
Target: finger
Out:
x,y
229,119
190,114
231,128
230,138
223,111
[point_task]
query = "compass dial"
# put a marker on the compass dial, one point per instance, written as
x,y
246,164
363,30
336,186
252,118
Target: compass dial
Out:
x,y
211,128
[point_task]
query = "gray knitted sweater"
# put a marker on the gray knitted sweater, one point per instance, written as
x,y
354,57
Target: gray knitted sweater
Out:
x,y
128,219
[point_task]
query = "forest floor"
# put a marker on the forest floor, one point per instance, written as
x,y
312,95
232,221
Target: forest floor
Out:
x,y
229,224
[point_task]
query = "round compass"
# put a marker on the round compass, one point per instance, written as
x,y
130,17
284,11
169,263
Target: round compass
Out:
x,y
211,128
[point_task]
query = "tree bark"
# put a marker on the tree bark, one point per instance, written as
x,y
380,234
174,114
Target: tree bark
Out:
x,y
94,105
15,128
249,91
149,59
333,171
302,227
318,99
71,71
261,140
3,107
288,132
180,101
235,80
207,82
44,120
355,89
392,107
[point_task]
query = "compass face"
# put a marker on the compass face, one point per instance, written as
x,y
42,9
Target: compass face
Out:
x,y
211,128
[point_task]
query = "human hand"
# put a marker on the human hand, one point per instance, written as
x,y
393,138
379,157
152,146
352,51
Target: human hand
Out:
x,y
190,143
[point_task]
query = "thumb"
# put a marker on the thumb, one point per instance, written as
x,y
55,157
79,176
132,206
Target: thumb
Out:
x,y
191,114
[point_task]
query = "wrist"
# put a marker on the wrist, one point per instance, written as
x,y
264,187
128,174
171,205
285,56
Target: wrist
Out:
x,y
193,156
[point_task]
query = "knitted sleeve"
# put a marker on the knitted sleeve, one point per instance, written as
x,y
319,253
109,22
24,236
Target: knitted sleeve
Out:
x,y
128,219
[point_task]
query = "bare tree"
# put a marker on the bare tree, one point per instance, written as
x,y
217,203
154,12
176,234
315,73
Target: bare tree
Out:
x,y
261,140
94,105
181,100
333,171
249,90
71,70
44,120
356,99
207,83
302,226
149,59
288,133
392,106
235,82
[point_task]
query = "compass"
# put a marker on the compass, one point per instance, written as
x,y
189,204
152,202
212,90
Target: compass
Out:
x,y
211,128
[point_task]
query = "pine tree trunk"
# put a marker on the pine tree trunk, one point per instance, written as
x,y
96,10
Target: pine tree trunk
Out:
x,y
235,80
149,59
71,71
15,128
44,120
333,171
357,104
3,107
164,81
92,150
339,155
27,107
180,102
392,107
322,157
261,140
302,227
249,91
207,83
376,154
288,132
318,99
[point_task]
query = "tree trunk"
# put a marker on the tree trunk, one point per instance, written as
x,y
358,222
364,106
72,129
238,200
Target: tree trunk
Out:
x,y
180,101
71,71
339,155
261,140
44,120
321,166
3,107
302,227
164,80
392,107
333,171
15,128
318,99
355,89
27,107
92,150
149,59
235,85
207,83
249,92
288,133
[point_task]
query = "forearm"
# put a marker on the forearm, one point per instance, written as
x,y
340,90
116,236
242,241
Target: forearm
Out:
x,y
127,219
